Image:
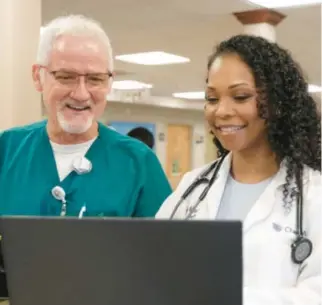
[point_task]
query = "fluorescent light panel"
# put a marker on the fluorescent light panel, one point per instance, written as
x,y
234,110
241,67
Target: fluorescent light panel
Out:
x,y
130,85
200,95
315,89
284,3
152,58
194,95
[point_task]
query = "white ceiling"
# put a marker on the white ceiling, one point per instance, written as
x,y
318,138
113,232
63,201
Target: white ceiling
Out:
x,y
190,29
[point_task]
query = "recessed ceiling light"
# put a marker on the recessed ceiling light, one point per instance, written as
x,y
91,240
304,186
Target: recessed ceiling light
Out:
x,y
194,95
152,58
200,95
315,89
284,3
130,85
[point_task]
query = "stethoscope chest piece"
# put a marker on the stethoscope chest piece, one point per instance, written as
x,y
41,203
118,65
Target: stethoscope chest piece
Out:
x,y
301,250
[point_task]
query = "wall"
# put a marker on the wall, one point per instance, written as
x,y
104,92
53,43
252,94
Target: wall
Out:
x,y
117,111
210,149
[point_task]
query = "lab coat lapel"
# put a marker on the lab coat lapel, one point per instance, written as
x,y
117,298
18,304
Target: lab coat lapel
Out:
x,y
212,200
263,207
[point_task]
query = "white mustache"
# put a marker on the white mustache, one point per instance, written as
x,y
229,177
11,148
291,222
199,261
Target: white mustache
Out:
x,y
76,104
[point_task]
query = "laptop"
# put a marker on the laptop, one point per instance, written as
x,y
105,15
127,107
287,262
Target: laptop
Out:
x,y
69,261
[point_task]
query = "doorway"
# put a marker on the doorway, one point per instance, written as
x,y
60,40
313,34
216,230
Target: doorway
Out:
x,y
178,160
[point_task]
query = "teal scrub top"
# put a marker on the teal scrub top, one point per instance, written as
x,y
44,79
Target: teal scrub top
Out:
x,y
126,179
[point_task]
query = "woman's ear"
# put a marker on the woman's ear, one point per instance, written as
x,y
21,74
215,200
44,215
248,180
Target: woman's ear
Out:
x,y
36,76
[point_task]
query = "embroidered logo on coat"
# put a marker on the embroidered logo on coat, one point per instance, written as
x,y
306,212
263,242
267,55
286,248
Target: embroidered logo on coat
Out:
x,y
279,228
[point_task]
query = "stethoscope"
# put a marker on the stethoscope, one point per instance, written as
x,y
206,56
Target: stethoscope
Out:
x,y
301,247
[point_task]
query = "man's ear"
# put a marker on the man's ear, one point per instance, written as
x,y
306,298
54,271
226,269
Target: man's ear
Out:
x,y
36,76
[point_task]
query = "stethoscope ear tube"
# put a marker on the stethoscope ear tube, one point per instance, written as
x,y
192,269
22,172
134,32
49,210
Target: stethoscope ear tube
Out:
x,y
202,178
217,167
176,208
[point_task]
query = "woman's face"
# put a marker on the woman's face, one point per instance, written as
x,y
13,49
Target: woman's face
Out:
x,y
231,109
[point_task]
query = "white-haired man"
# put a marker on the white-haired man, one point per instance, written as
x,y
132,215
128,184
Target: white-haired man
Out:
x,y
70,164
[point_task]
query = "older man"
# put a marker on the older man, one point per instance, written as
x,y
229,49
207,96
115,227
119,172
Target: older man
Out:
x,y
70,164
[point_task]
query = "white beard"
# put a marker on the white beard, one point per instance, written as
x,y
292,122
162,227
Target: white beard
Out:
x,y
71,127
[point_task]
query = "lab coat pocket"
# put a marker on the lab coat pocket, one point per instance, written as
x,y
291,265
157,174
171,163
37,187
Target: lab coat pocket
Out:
x,y
285,269
268,253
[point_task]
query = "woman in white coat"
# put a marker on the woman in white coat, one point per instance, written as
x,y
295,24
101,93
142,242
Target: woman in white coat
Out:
x,y
267,131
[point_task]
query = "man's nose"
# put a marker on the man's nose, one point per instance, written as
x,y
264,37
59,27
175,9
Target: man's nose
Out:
x,y
81,92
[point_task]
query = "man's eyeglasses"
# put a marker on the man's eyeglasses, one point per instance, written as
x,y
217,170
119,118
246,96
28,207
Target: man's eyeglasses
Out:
x,y
72,79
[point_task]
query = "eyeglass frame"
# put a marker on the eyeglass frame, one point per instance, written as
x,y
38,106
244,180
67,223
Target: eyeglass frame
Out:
x,y
85,75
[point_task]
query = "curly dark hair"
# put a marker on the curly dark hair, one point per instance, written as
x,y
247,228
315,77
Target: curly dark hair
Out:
x,y
291,114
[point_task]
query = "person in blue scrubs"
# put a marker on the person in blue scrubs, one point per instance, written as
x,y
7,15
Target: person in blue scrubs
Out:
x,y
70,164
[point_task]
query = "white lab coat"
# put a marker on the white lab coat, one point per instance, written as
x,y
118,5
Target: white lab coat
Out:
x,y
270,277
